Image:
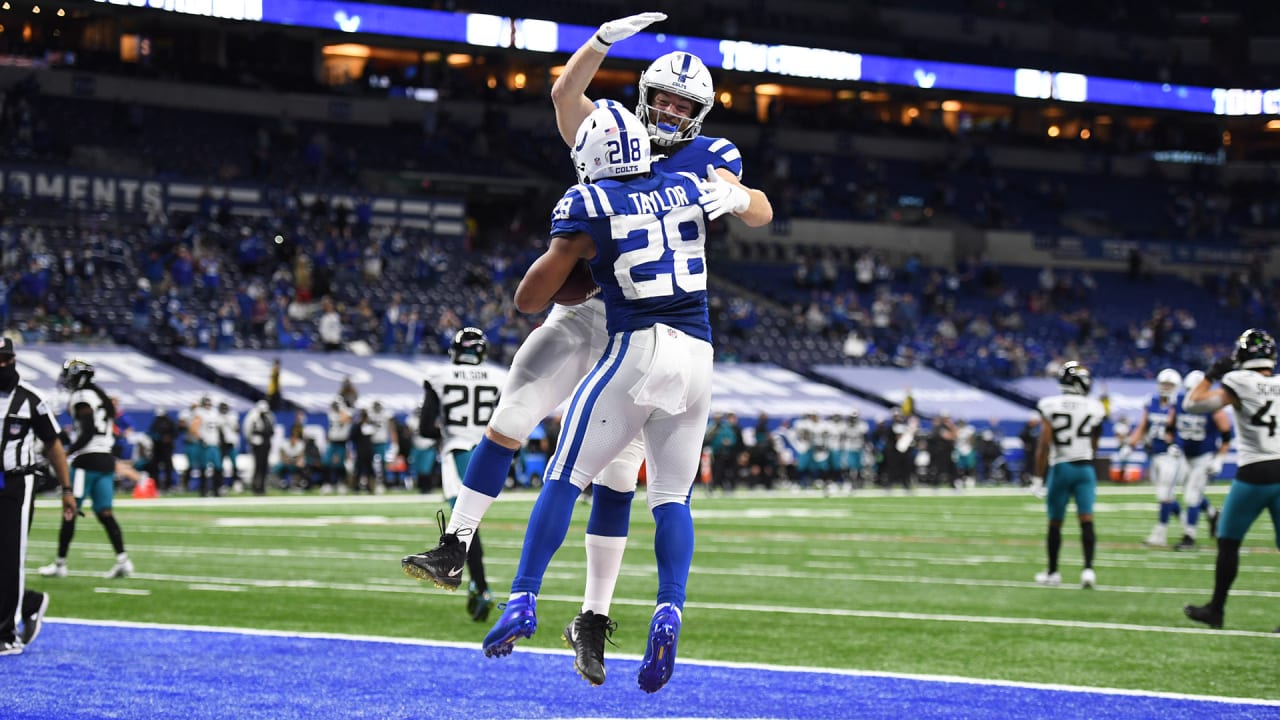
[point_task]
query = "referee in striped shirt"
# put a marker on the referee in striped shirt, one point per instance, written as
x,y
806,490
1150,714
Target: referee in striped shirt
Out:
x,y
27,419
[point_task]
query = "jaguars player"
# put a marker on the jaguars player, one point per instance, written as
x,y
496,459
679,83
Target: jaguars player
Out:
x,y
1248,384
1072,426
458,401
1164,466
1205,439
92,465
676,93
644,234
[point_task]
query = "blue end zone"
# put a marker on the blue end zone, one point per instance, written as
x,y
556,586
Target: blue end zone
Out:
x,y
91,671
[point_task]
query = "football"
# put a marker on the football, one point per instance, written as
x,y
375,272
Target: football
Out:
x,y
578,287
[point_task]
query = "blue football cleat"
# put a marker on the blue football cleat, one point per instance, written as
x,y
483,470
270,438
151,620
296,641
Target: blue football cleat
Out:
x,y
519,620
660,651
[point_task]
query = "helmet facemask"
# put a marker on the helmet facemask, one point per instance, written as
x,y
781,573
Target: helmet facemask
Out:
x,y
682,75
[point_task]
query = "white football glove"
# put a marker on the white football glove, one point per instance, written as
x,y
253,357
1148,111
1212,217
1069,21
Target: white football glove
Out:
x,y
1215,466
623,28
719,196
1037,486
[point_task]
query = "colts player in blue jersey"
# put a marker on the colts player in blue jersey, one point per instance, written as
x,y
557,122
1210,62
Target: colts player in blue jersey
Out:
x,y
644,234
1164,465
1204,439
676,94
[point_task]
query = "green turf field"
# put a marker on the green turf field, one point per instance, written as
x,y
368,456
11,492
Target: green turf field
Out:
x,y
932,583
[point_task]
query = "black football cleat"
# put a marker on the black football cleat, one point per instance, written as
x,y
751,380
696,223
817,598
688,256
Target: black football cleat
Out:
x,y
442,564
1205,614
586,634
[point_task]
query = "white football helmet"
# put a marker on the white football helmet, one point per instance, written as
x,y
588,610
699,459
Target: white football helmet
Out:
x,y
1192,379
1167,382
679,73
611,142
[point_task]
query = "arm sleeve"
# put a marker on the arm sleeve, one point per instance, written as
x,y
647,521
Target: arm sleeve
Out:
x,y
84,428
427,427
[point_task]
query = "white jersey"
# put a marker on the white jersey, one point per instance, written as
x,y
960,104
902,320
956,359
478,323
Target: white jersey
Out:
x,y
209,424
103,436
964,439
1259,415
853,435
379,421
339,425
468,395
230,428
1072,420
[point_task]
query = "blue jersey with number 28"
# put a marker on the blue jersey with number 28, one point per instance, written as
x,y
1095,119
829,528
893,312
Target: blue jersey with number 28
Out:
x,y
650,236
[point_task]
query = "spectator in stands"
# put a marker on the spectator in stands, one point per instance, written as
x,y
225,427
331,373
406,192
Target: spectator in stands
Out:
x,y
330,326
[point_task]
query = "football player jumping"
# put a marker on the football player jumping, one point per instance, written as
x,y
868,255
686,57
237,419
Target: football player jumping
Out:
x,y
676,93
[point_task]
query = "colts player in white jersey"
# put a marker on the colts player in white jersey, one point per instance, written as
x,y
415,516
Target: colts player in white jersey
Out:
x,y
461,397
1249,385
1068,443
93,467
1164,466
1205,439
644,234
676,93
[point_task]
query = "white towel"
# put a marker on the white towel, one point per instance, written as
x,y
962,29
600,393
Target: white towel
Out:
x,y
665,385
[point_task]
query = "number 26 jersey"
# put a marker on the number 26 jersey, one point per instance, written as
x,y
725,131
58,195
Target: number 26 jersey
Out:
x,y
1256,423
1071,421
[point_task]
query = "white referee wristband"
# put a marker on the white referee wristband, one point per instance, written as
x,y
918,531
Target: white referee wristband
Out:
x,y
599,45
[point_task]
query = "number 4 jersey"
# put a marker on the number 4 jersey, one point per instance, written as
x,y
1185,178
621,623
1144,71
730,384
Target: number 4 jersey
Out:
x,y
1073,420
468,394
1259,398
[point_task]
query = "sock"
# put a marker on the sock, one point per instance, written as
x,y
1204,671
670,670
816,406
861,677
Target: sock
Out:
x,y
1193,516
604,561
606,543
113,532
548,524
673,548
1204,505
1167,510
475,562
1089,541
122,557
1054,545
1225,570
65,534
468,510
487,469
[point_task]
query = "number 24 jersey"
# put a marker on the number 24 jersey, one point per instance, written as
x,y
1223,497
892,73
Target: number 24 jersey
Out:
x,y
1071,421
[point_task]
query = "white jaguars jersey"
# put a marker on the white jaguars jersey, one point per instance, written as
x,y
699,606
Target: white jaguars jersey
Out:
x,y
853,435
209,424
104,437
1071,420
468,395
1258,419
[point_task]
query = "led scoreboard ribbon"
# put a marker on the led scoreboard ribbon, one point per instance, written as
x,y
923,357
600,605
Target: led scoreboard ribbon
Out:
x,y
791,60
